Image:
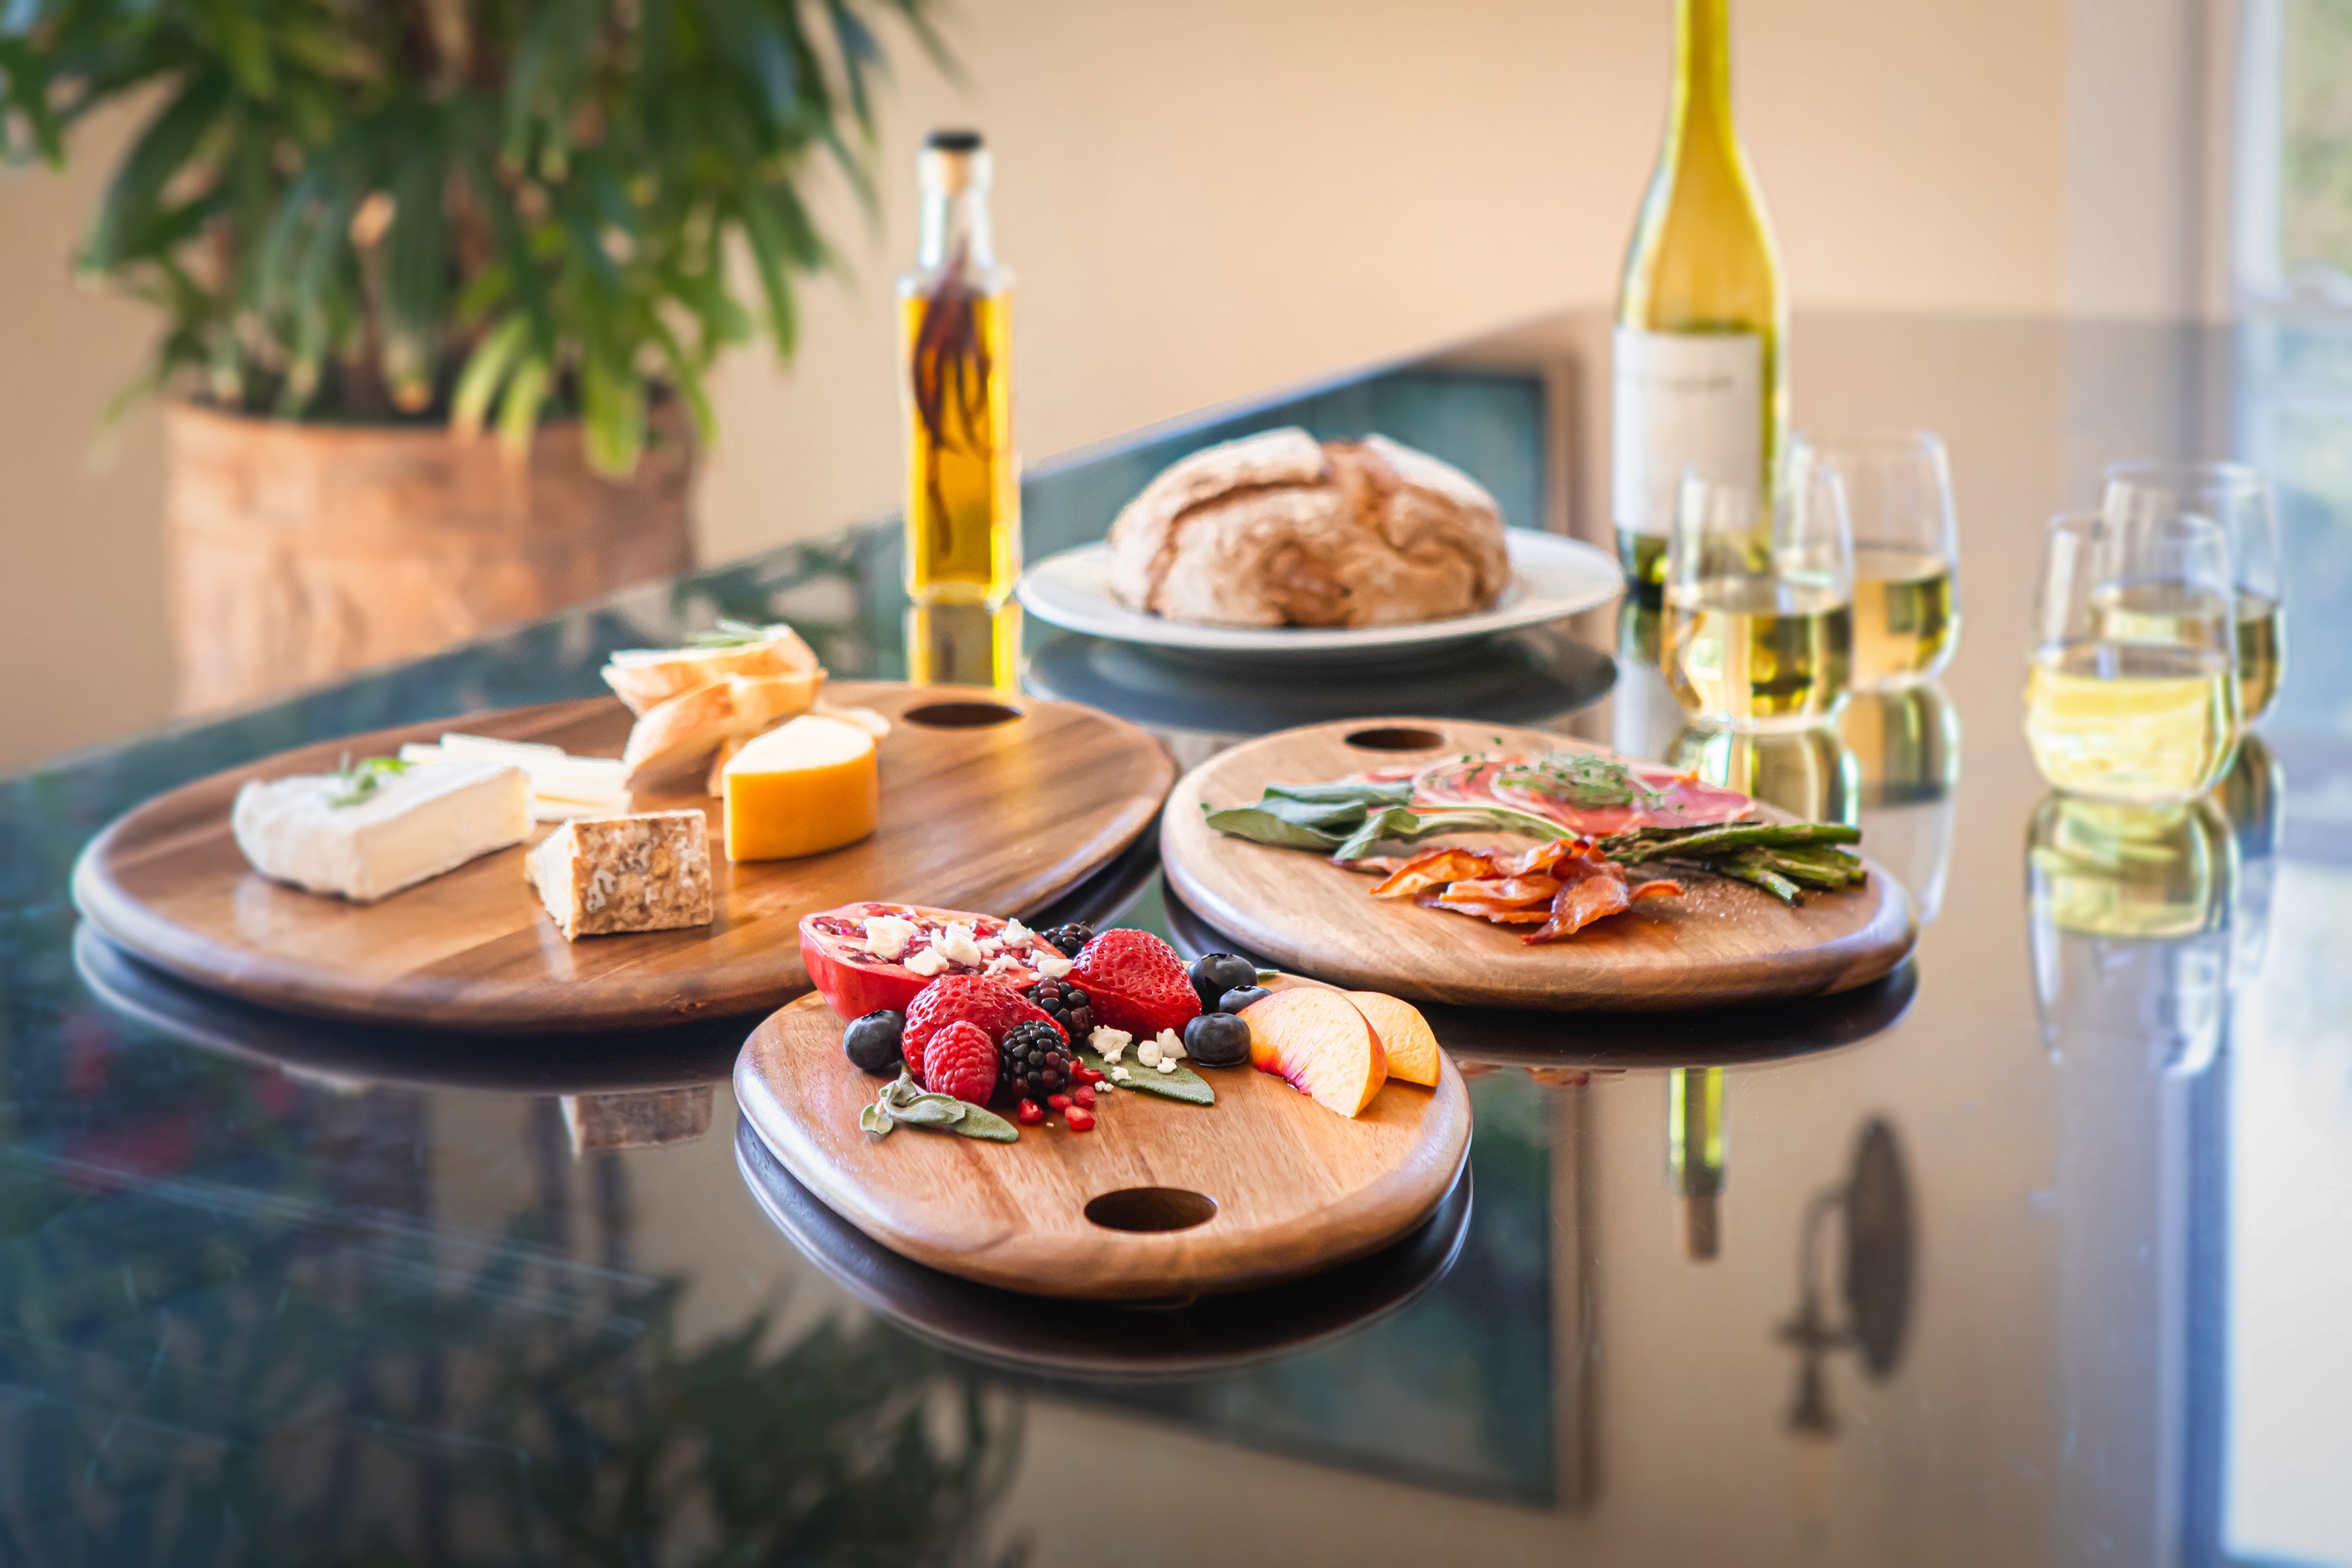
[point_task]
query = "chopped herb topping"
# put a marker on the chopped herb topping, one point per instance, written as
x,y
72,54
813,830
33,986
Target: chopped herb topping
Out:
x,y
732,633
357,782
1580,779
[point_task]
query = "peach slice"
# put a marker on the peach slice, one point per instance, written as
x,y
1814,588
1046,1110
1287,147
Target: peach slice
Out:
x,y
1405,1035
1319,1043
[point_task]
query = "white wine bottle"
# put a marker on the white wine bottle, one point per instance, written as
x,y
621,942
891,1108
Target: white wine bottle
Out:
x,y
1701,372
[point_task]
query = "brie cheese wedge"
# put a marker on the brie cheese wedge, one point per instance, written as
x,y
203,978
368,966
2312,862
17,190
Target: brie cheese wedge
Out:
x,y
415,826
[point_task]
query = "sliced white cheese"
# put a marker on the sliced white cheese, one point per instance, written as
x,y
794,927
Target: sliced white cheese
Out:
x,y
562,786
415,826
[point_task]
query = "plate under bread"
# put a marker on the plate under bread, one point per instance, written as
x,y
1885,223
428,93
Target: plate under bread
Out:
x,y
1551,577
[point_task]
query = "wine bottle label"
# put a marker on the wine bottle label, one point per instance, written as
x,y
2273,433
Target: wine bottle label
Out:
x,y
1682,400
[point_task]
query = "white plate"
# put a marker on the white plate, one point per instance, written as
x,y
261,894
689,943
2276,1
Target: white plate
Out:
x,y
1550,577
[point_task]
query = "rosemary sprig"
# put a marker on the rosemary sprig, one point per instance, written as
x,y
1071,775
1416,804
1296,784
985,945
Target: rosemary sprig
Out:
x,y
358,781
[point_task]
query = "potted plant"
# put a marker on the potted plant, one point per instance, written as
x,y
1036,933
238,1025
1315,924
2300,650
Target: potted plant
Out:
x,y
378,231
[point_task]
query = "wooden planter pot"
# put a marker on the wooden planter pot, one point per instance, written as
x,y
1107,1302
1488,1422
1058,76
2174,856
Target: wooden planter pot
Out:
x,y
300,552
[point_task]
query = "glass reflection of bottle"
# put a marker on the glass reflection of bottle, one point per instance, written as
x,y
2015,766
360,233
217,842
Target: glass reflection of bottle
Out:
x,y
2251,795
1695,1151
1808,772
1906,750
2130,910
1642,713
964,645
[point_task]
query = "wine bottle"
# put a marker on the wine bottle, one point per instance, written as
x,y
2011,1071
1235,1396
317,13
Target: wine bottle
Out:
x,y
955,351
1701,368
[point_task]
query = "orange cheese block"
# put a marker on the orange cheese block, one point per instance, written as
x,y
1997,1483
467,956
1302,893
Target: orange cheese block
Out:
x,y
806,787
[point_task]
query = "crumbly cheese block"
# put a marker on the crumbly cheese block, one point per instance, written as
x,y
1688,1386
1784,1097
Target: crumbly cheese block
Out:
x,y
415,826
807,788
645,677
646,872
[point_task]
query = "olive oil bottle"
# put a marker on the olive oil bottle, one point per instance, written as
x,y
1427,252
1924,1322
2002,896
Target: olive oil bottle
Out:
x,y
1700,375
955,353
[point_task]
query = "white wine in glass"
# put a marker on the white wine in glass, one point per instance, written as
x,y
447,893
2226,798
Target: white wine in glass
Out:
x,y
1907,601
2237,497
1759,623
1699,382
1905,614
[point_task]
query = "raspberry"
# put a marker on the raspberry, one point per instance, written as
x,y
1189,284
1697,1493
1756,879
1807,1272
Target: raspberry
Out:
x,y
1134,982
991,1005
960,1061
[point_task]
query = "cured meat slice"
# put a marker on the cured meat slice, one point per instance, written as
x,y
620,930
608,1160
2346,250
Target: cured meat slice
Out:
x,y
1514,780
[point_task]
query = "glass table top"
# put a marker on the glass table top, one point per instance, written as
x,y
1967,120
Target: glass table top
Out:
x,y
2036,1251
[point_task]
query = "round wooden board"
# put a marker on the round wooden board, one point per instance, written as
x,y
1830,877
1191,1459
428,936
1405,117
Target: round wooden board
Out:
x,y
1002,817
1298,1189
1719,944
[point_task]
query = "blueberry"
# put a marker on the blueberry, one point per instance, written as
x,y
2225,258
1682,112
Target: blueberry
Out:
x,y
1241,996
1217,1040
1215,973
873,1041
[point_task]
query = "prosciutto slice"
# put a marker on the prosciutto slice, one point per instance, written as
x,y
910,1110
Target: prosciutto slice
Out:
x,y
1477,781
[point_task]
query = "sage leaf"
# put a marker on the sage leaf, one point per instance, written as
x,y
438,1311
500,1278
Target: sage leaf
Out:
x,y
932,1110
1182,1084
1350,791
979,1121
1264,827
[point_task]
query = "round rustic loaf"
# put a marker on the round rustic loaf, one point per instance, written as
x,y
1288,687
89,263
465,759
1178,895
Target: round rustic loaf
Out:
x,y
1280,529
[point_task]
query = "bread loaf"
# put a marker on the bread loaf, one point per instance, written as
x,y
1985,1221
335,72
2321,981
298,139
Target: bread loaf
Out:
x,y
1279,530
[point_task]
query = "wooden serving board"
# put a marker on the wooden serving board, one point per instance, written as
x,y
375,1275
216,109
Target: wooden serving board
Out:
x,y
986,806
1296,1189
1721,943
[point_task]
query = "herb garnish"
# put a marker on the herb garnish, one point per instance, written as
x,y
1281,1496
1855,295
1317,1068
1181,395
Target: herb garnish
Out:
x,y
358,781
1580,779
731,633
907,1103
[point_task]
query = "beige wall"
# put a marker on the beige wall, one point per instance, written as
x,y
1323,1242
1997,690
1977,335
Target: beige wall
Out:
x,y
1203,200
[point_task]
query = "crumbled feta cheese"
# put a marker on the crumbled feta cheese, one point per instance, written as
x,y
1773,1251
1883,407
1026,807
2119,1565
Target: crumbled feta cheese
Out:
x,y
926,962
1167,1064
1051,966
1107,1042
886,936
1121,1074
957,945
1105,1085
1147,1053
1001,963
992,944
1172,1045
1016,934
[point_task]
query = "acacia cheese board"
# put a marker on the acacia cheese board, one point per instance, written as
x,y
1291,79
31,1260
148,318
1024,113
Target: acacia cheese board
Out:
x,y
1161,1200
986,803
1719,943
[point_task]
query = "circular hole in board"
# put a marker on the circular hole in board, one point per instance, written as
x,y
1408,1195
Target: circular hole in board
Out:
x,y
1395,738
1151,1208
960,715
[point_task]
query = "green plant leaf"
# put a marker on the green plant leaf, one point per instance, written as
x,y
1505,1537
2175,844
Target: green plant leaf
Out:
x,y
163,150
519,410
614,414
484,373
1180,1082
415,274
1263,826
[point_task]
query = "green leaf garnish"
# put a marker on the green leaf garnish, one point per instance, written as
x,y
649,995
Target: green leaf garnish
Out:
x,y
732,633
358,781
1181,1083
907,1103
1580,779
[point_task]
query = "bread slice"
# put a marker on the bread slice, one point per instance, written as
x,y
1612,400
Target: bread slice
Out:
x,y
646,678
679,736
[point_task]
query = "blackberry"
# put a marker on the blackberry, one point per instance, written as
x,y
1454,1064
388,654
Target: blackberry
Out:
x,y
1070,938
1067,1005
1034,1062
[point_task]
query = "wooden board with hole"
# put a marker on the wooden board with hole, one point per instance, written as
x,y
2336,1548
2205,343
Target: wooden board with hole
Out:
x,y
1721,943
986,806
1263,1187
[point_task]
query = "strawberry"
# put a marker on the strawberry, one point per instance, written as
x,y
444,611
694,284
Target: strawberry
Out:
x,y
1136,983
991,1005
962,1062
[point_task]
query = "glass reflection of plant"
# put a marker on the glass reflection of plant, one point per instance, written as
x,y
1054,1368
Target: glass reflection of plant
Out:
x,y
232,1330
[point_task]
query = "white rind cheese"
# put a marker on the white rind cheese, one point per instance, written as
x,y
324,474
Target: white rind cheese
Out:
x,y
413,827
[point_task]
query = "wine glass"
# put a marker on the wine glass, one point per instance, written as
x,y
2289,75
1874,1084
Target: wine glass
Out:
x,y
1906,551
2133,693
2238,498
1758,626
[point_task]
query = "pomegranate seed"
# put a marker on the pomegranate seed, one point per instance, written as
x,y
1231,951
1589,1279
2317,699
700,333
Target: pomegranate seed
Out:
x,y
1081,1120
1086,1096
1058,1102
1085,1074
1030,1114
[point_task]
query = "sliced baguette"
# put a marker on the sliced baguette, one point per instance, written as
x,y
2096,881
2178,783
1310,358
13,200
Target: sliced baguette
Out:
x,y
646,678
679,736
